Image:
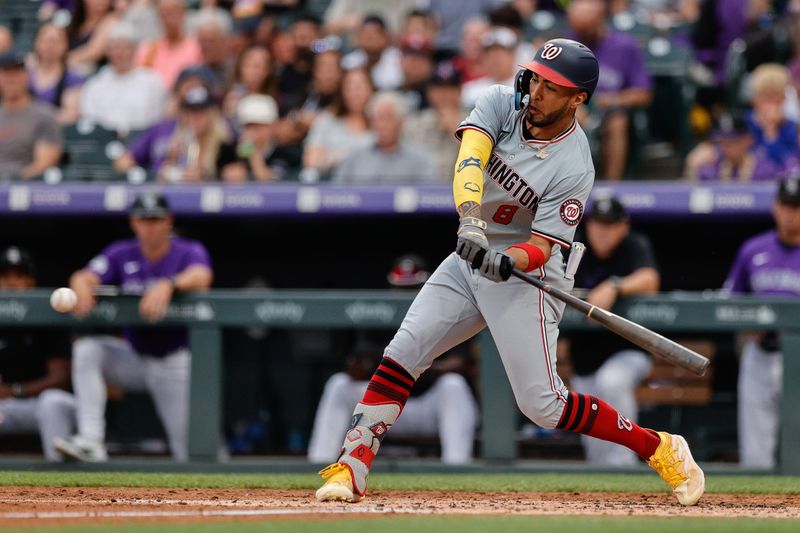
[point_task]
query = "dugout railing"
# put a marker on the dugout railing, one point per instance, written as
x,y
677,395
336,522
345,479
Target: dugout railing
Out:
x,y
206,314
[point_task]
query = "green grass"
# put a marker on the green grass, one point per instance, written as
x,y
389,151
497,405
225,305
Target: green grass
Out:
x,y
451,482
474,524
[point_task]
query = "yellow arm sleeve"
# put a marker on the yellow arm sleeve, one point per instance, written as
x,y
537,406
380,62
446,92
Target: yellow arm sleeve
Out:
x,y
476,147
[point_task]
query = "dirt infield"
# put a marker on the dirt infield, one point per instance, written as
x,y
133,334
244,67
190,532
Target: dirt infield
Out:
x,y
36,506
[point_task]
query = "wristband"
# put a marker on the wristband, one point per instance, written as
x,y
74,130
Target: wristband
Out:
x,y
616,282
535,255
473,221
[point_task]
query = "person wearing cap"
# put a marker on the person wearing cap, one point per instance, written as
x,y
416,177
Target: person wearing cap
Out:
x,y
123,97
442,404
390,159
773,136
173,52
157,265
30,136
191,78
522,176
618,263
375,53
766,265
182,149
433,127
625,85
250,158
735,159
34,367
295,77
499,61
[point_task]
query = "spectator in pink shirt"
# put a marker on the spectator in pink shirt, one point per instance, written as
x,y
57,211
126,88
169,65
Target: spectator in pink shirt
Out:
x,y
174,51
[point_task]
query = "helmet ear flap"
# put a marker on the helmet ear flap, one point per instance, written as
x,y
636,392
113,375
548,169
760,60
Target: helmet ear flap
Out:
x,y
522,85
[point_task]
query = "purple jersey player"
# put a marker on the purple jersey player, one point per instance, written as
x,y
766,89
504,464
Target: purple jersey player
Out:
x,y
766,265
156,265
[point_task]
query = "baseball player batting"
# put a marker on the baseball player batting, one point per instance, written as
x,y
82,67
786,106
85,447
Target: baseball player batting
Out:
x,y
521,180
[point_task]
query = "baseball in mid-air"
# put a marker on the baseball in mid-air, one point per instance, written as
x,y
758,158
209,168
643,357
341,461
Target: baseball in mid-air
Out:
x,y
63,300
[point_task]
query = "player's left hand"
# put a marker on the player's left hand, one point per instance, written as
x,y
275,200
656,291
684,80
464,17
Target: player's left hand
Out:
x,y
496,265
472,242
154,302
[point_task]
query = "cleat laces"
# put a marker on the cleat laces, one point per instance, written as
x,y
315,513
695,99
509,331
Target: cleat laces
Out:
x,y
331,470
670,468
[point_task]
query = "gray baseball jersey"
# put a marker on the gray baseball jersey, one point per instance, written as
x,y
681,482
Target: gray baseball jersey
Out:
x,y
530,186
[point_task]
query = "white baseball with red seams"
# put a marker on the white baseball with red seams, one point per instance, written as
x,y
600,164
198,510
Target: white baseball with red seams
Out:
x,y
63,300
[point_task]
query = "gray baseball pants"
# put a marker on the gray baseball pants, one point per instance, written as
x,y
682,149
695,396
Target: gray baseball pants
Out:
x,y
760,391
100,359
457,302
51,415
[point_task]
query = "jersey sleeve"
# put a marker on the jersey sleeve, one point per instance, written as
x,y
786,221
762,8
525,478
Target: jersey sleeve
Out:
x,y
140,147
561,208
196,254
643,256
106,265
738,280
489,114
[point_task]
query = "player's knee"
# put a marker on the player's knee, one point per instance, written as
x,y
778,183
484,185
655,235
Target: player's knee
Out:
x,y
338,388
53,403
610,382
453,385
541,406
338,385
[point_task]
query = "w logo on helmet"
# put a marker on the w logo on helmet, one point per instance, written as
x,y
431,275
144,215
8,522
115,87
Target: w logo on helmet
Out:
x,y
550,51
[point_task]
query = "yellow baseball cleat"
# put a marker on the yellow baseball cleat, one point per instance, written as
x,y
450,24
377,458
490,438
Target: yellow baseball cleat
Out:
x,y
338,485
674,463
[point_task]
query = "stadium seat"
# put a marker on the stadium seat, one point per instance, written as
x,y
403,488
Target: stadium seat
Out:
x,y
89,151
668,63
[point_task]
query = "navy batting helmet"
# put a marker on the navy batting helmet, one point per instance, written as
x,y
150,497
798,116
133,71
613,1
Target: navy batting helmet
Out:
x,y
563,62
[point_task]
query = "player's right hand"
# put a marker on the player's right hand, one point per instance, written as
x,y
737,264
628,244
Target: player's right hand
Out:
x,y
472,243
85,301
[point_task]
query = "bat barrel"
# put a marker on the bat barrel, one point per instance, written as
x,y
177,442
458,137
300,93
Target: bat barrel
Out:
x,y
637,334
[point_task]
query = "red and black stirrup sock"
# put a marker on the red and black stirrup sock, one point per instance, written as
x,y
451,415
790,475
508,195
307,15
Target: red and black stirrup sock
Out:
x,y
594,417
391,383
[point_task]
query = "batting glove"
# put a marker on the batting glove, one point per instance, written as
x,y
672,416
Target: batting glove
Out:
x,y
496,265
472,243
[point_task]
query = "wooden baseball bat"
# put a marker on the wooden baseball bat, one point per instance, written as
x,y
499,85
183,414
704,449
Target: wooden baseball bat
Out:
x,y
639,335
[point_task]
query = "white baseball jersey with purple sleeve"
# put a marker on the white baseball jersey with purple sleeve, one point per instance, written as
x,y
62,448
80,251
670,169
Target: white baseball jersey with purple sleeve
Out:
x,y
530,186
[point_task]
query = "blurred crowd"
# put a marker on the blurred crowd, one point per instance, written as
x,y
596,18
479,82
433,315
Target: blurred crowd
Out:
x,y
371,92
